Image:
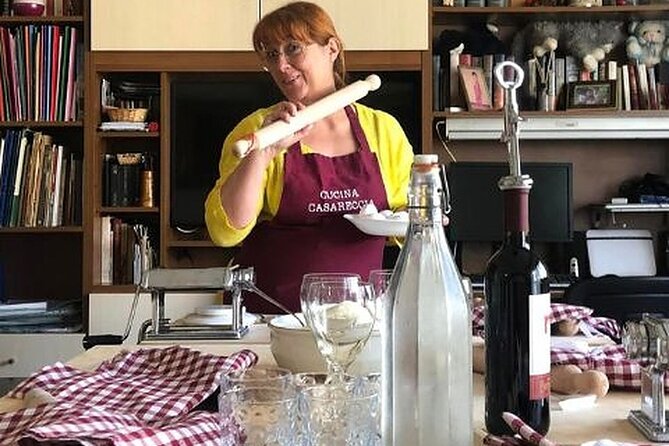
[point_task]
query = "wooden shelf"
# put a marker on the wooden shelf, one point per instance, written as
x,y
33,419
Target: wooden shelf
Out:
x,y
507,16
191,244
54,19
128,210
42,230
41,124
113,288
114,134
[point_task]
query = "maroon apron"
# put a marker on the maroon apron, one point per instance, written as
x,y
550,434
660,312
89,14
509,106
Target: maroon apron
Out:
x,y
309,233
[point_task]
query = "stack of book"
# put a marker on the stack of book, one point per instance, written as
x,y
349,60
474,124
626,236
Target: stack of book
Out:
x,y
40,316
40,181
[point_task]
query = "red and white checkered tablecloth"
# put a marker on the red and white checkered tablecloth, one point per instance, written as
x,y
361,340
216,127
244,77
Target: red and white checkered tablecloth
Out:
x,y
623,373
145,397
560,312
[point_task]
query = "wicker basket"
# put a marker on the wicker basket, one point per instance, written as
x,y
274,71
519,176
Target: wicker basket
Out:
x,y
127,114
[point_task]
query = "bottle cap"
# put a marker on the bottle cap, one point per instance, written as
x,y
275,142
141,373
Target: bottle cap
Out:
x,y
426,159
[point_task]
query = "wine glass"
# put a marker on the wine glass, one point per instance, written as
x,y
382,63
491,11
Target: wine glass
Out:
x,y
341,314
379,279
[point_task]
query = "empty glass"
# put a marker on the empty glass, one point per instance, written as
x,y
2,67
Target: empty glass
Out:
x,y
259,416
257,377
342,415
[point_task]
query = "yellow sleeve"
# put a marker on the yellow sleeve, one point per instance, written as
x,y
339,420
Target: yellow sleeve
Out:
x,y
221,231
387,139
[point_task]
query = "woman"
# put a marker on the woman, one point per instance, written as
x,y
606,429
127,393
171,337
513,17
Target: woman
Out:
x,y
285,203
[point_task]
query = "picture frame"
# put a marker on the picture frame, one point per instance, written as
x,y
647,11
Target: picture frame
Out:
x,y
474,88
600,95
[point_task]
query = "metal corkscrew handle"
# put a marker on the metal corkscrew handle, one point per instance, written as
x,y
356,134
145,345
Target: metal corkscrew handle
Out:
x,y
511,116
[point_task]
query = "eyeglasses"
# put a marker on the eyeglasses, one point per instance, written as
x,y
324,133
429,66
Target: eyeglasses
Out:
x,y
293,52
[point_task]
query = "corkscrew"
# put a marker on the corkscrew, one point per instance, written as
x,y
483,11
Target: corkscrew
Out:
x,y
649,339
515,75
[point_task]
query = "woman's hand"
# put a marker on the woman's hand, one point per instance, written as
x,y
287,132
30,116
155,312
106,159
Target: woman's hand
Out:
x,y
284,111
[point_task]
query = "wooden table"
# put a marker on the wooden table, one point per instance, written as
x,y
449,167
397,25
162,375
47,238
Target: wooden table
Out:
x,y
608,419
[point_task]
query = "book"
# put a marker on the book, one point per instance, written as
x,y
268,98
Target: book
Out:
x,y
634,87
625,77
642,86
455,99
653,101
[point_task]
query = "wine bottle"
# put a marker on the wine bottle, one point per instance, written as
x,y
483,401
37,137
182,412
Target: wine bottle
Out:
x,y
517,327
517,331
426,363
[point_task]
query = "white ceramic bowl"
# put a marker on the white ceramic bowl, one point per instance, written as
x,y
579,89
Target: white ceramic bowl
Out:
x,y
379,225
294,348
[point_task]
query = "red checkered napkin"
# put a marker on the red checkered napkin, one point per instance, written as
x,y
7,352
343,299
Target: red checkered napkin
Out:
x,y
67,424
559,312
623,373
155,386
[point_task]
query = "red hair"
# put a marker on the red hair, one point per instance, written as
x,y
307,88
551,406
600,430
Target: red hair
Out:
x,y
304,22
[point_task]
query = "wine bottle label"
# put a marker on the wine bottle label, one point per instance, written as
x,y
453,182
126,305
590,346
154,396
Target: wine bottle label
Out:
x,y
540,345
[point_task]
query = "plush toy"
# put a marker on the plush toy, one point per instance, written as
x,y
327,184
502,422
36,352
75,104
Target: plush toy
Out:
x,y
646,42
478,40
535,40
590,42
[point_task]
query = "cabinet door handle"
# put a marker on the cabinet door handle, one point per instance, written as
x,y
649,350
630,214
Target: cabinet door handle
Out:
x,y
8,361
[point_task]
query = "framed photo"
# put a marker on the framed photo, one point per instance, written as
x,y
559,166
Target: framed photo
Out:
x,y
474,88
592,95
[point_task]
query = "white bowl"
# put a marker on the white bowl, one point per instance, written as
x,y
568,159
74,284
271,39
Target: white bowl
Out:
x,y
294,348
379,225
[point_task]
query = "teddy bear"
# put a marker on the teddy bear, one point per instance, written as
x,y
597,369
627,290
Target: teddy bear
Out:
x,y
588,42
646,42
479,39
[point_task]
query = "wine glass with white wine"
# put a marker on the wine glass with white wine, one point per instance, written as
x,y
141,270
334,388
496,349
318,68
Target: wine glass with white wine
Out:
x,y
341,315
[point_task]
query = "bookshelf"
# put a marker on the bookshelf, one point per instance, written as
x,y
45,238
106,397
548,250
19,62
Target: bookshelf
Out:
x,y
42,257
605,147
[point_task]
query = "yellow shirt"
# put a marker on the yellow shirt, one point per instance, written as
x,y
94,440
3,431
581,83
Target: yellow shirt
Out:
x,y
385,137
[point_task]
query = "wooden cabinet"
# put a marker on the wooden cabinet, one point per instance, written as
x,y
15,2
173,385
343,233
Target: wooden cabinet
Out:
x,y
375,24
160,25
217,25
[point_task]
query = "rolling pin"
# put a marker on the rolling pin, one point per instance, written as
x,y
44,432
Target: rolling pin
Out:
x,y
566,379
278,130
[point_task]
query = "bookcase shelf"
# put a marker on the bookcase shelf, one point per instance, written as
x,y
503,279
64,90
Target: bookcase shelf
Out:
x,y
42,230
28,253
42,124
47,20
110,210
111,135
515,16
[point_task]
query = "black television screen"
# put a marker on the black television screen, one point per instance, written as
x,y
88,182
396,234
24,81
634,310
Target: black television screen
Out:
x,y
476,201
205,108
